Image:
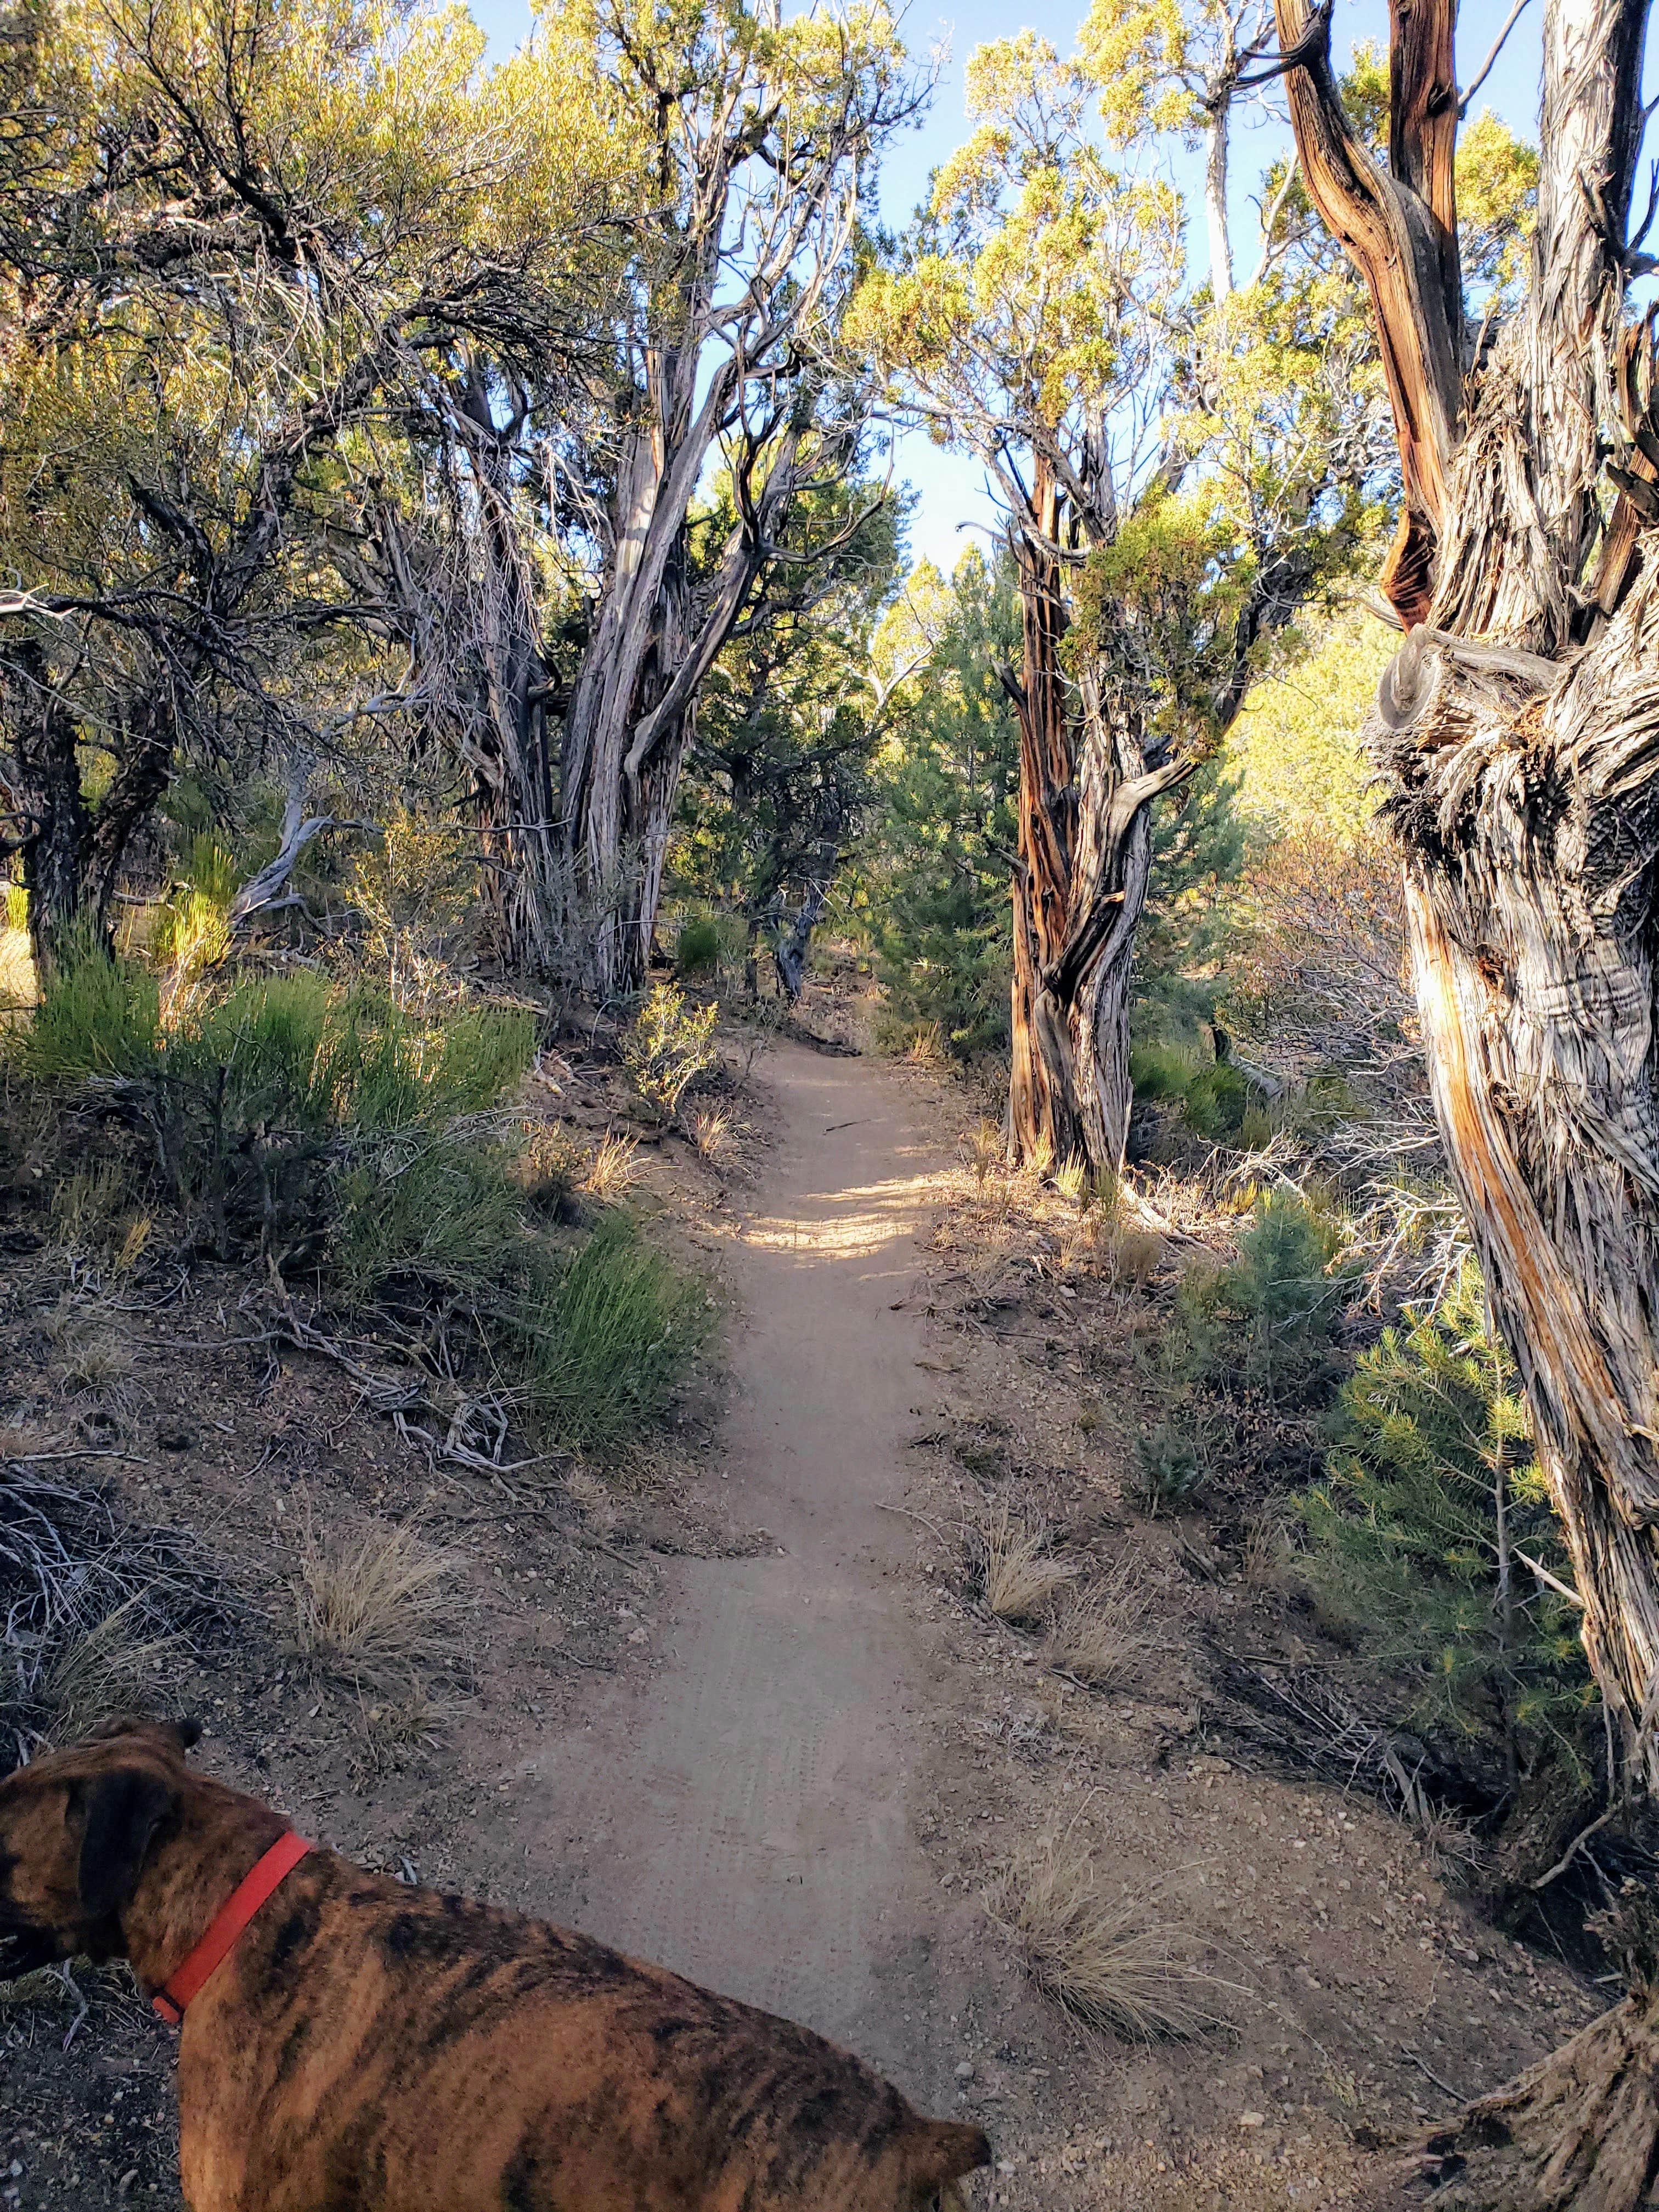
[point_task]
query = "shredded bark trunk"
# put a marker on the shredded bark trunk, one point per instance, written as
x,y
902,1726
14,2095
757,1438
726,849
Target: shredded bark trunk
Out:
x,y
1517,731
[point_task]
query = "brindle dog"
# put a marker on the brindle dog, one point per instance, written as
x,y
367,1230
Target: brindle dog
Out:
x,y
367,2046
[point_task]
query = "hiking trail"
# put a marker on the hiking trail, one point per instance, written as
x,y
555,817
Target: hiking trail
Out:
x,y
741,1814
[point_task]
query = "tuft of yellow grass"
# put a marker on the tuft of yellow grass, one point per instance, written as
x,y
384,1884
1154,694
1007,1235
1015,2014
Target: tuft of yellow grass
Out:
x,y
1018,1572
380,1610
1100,1952
987,1154
613,1168
715,1134
1268,1556
1131,1255
1103,1638
19,984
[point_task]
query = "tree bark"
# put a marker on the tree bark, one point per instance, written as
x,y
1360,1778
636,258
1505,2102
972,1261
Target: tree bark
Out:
x,y
1517,730
48,798
1217,225
1044,1124
1579,2132
633,704
1084,864
789,952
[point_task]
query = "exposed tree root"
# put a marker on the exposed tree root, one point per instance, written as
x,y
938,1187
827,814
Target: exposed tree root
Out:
x,y
1578,2132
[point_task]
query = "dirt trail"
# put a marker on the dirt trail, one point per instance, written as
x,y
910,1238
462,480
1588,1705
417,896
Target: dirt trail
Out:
x,y
742,1815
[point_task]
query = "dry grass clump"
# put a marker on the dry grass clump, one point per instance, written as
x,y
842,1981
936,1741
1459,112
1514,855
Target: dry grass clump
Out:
x,y
547,1163
96,1364
987,1154
924,1046
1269,1556
1101,1953
715,1134
1453,1847
1103,1638
1017,1572
106,1668
1074,1182
613,1168
1131,1255
18,984
92,1216
380,1610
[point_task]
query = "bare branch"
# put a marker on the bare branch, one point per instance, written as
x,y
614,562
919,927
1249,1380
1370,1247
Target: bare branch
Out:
x,y
1485,69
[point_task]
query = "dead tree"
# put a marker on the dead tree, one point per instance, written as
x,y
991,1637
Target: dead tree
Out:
x,y
1518,731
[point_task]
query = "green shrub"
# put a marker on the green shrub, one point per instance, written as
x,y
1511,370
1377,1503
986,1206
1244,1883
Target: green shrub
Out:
x,y
946,787
608,1338
193,930
697,947
1283,1278
669,1047
330,1132
1159,1071
97,1016
1283,1294
388,1071
289,1115
1218,1101
1168,1470
1416,1536
443,1212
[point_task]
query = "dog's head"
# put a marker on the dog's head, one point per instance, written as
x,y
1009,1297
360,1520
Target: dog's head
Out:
x,y
75,1828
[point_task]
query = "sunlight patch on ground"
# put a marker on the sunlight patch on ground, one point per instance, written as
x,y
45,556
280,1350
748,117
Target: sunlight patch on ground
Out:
x,y
853,1223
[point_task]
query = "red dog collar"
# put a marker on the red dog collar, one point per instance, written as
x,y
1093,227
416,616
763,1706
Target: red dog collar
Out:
x,y
229,1924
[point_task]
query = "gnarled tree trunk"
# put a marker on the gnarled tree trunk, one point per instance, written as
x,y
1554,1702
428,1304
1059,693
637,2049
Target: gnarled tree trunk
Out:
x,y
1518,729
632,706
1086,785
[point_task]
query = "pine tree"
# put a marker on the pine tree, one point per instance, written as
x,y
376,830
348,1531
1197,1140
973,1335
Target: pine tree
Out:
x,y
1434,1535
943,940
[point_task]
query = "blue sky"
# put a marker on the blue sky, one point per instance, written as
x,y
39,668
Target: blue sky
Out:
x,y
951,486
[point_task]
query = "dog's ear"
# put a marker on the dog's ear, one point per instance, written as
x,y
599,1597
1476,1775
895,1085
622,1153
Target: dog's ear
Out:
x,y
121,1811
186,1735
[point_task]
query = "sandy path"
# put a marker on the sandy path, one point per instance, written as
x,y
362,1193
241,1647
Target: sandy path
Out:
x,y
743,1814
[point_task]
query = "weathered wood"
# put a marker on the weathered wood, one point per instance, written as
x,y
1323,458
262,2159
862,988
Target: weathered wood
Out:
x,y
1085,865
1517,731
1397,241
1578,2132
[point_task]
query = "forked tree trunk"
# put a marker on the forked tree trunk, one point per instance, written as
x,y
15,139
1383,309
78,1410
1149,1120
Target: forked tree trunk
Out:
x,y
55,822
792,945
1518,731
633,705
1085,859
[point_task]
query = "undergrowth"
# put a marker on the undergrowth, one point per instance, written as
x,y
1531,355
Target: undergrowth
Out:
x,y
1433,1536
606,1338
368,1153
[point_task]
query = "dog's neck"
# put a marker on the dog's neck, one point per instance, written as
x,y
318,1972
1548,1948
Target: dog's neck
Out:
x,y
190,1872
